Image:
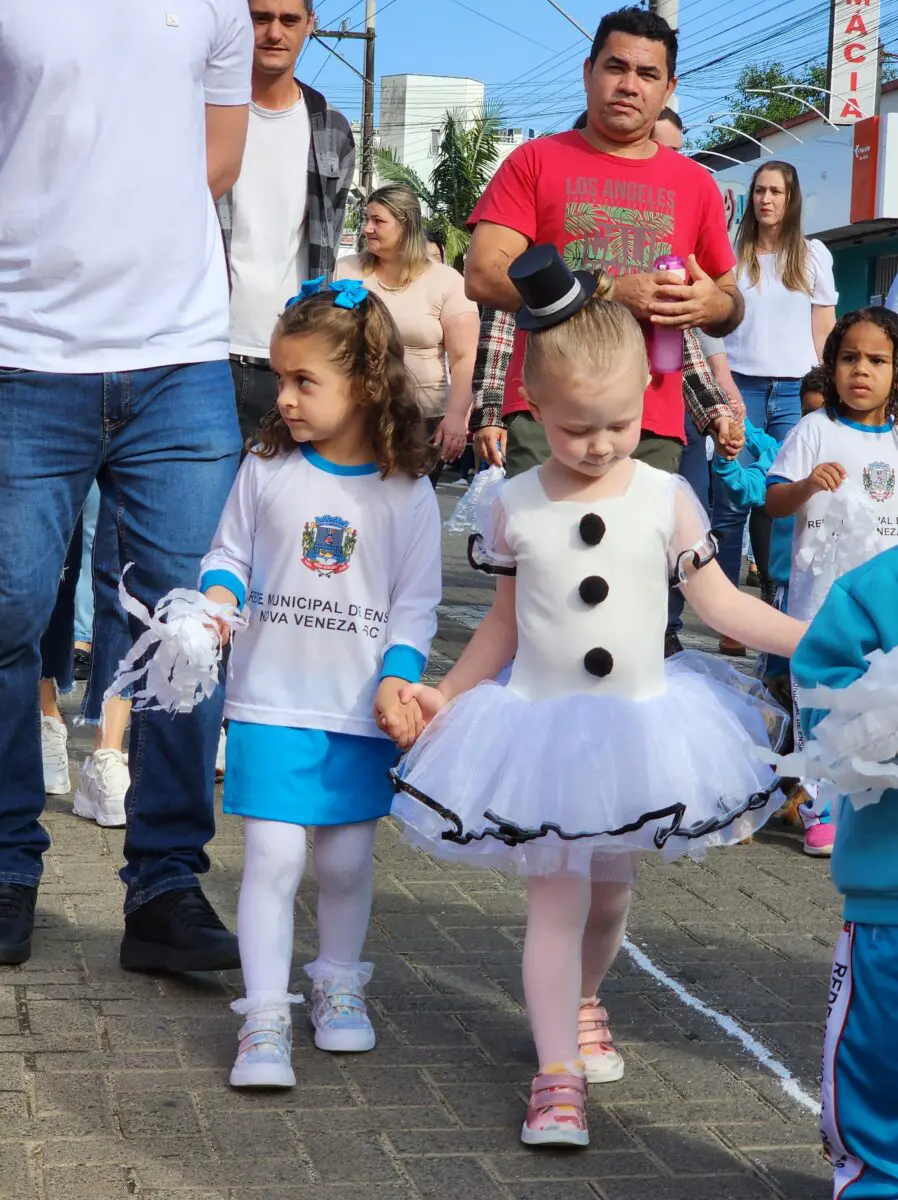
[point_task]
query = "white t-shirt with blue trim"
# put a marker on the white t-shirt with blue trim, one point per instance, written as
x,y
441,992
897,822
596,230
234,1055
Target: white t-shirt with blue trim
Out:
x,y
340,572
869,455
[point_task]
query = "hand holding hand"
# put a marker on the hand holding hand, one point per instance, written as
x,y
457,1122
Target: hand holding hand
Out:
x,y
728,436
429,699
400,719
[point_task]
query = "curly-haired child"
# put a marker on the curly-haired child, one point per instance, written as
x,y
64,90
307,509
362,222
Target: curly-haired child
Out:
x,y
332,536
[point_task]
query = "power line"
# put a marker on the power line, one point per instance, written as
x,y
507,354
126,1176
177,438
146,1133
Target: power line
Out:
x,y
493,21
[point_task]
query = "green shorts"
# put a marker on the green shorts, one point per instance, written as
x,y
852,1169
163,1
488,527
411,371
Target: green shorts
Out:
x,y
527,447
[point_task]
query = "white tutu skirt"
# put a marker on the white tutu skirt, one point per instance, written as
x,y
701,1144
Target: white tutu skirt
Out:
x,y
560,785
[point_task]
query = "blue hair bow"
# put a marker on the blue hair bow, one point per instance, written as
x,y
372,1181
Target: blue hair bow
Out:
x,y
348,293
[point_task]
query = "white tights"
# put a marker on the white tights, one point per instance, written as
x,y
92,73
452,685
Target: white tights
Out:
x,y
574,931
274,864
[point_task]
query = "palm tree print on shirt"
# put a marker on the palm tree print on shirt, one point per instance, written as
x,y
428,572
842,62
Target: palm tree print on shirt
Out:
x,y
619,240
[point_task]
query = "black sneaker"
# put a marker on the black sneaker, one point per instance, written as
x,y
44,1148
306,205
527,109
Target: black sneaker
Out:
x,y
178,931
16,922
672,644
81,665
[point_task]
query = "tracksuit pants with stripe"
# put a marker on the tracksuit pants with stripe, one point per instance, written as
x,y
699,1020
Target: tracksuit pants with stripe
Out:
x,y
859,1120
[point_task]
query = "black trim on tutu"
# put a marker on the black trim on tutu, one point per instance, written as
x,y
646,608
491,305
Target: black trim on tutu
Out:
x,y
514,835
487,568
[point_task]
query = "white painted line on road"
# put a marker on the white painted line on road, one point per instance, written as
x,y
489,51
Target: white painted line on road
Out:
x,y
787,1080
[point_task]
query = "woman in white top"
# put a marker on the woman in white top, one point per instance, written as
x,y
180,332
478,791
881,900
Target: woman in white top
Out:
x,y
426,299
790,296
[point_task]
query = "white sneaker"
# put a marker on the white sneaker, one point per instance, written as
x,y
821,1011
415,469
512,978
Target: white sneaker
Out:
x,y
263,1057
340,1018
220,755
55,753
101,793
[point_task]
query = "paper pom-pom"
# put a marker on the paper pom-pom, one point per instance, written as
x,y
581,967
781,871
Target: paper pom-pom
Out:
x,y
854,750
176,663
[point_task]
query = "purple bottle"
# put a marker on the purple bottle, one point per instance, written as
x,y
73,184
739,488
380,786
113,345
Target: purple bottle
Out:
x,y
666,348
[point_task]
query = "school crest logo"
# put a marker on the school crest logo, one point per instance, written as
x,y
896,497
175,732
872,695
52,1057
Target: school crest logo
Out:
x,y
328,544
879,481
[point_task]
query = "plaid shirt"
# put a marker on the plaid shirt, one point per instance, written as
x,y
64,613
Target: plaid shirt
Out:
x,y
331,168
494,347
704,397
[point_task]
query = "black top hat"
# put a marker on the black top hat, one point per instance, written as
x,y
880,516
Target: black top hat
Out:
x,y
551,291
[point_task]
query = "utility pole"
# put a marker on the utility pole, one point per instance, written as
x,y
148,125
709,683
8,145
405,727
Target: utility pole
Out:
x,y
670,11
368,100
367,79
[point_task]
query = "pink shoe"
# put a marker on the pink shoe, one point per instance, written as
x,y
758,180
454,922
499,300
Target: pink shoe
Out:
x,y
819,839
556,1114
603,1060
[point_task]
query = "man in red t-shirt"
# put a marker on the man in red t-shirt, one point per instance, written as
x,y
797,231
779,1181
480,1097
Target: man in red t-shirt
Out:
x,y
610,198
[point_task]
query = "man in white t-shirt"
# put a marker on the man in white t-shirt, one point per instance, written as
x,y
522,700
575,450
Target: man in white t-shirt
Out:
x,y
283,218
119,123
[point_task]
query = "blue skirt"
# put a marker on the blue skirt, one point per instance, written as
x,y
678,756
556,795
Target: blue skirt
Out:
x,y
307,776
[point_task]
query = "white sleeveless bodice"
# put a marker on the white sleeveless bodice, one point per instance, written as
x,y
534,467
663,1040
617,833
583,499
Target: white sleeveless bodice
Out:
x,y
592,587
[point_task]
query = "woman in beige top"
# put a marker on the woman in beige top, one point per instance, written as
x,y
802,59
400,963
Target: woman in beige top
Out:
x,y
427,301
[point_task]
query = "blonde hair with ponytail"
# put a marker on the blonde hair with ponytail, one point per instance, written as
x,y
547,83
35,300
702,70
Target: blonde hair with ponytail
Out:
x,y
363,342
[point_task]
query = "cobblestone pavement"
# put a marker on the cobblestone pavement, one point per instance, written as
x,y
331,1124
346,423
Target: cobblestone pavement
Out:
x,y
115,1085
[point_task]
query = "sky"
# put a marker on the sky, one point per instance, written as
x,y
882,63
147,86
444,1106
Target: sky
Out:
x,y
530,57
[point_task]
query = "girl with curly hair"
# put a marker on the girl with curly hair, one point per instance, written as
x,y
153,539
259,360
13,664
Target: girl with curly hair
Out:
x,y
331,538
851,440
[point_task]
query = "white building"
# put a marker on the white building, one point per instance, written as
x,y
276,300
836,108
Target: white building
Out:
x,y
412,108
510,139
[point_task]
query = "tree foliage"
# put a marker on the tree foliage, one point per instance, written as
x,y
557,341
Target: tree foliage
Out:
x,y
752,106
468,153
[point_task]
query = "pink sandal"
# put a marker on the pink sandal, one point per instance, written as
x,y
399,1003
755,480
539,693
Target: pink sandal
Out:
x,y
604,1063
556,1114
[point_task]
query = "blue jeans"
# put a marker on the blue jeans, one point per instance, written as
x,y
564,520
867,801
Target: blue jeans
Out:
x,y
56,650
111,633
773,405
84,592
696,470
166,442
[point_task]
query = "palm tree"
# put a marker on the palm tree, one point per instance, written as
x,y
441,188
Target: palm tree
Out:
x,y
469,150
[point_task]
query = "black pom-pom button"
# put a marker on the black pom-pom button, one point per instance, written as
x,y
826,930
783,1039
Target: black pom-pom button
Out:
x,y
593,589
592,529
598,662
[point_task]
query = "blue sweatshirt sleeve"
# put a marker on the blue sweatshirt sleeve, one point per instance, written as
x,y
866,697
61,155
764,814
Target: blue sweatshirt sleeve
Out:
x,y
833,652
764,447
747,485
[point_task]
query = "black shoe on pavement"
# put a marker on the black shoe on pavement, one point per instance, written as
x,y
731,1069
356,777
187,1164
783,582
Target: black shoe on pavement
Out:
x,y
672,644
178,931
768,591
81,665
17,903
